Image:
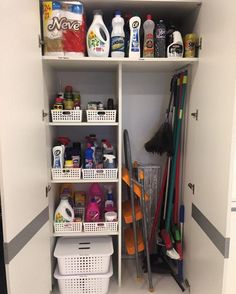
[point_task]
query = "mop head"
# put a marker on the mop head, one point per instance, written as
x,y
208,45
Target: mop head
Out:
x,y
162,141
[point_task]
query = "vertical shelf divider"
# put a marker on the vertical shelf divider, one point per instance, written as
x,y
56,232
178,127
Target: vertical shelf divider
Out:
x,y
120,145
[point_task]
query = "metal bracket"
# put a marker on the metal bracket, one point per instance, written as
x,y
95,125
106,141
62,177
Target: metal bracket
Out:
x,y
199,44
48,189
40,41
187,285
192,187
44,114
195,114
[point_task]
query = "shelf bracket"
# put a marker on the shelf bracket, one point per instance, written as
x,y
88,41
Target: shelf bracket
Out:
x,y
195,114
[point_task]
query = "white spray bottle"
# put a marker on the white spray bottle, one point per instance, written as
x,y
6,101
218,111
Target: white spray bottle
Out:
x,y
109,160
134,47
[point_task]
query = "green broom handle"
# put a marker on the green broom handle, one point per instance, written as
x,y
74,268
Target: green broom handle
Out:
x,y
174,160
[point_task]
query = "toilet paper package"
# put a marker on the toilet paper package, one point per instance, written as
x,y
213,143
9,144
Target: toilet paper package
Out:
x,y
64,28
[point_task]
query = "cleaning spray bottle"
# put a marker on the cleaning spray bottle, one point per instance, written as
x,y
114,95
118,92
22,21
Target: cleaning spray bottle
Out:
x,y
109,161
134,44
176,48
109,203
64,211
89,156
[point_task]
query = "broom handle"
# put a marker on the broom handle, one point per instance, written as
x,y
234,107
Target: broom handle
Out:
x,y
173,169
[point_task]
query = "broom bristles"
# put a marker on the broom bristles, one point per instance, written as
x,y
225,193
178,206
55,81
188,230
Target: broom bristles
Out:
x,y
162,141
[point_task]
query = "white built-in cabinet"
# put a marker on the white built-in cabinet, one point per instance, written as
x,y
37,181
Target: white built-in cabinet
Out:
x,y
140,89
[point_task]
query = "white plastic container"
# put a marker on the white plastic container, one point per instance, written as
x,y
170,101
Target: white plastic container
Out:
x,y
134,45
176,48
118,36
58,156
83,255
148,45
98,45
84,284
64,212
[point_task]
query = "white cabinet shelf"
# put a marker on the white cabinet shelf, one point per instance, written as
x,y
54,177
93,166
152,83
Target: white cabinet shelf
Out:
x,y
106,233
111,64
84,124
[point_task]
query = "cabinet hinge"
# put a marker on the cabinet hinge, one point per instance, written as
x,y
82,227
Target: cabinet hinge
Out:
x,y
48,189
199,44
192,187
40,41
195,114
187,285
44,114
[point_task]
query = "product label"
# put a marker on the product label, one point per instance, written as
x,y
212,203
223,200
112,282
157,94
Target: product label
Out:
x,y
63,24
94,43
176,50
117,44
59,218
135,40
47,10
160,33
149,46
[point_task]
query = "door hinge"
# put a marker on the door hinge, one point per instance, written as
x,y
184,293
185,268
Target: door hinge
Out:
x,y
40,41
192,187
187,285
48,189
195,114
44,114
199,44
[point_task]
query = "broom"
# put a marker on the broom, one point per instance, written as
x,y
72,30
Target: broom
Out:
x,y
163,139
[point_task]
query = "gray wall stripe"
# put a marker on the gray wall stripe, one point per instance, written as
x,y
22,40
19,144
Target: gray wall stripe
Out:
x,y
214,235
12,248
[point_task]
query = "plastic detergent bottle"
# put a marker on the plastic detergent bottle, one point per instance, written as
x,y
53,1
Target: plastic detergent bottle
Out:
x,y
109,203
95,192
98,38
134,44
109,160
89,156
160,42
118,36
148,45
64,211
176,48
92,211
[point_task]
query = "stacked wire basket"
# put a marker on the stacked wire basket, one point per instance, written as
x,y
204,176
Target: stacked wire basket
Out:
x,y
84,264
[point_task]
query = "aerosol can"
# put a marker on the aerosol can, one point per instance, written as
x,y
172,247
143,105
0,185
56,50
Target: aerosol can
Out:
x,y
176,48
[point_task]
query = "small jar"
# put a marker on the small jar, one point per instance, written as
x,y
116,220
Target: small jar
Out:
x,y
69,164
58,105
68,104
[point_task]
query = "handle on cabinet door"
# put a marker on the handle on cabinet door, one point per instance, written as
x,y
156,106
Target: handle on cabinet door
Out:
x,y
192,187
195,114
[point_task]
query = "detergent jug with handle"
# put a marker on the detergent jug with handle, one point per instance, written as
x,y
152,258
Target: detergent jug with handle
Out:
x,y
98,38
64,211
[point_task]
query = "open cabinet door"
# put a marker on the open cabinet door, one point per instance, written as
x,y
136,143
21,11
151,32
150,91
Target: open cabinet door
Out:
x,y
23,151
209,149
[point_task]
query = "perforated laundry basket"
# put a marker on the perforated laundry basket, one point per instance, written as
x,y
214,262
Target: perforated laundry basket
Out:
x,y
84,284
83,255
101,115
66,115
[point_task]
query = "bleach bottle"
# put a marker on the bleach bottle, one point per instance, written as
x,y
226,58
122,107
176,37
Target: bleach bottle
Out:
x,y
118,36
98,38
176,48
134,44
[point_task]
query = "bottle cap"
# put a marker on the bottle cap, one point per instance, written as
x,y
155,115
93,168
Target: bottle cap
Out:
x,y
59,100
56,5
69,163
161,21
149,17
97,12
68,88
117,12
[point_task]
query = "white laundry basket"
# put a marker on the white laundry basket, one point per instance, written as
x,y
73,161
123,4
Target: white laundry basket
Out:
x,y
84,284
83,255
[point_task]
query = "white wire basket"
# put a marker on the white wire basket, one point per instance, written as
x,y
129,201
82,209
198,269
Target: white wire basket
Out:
x,y
70,227
66,115
66,173
100,226
100,174
84,284
101,115
83,255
